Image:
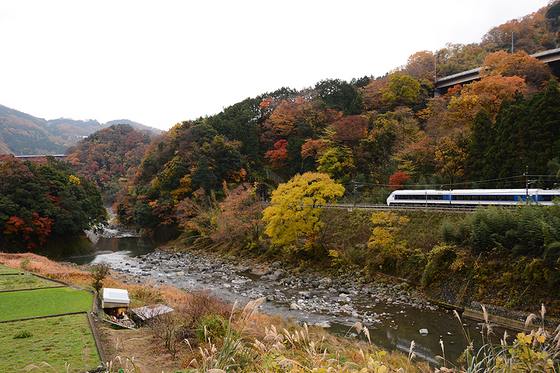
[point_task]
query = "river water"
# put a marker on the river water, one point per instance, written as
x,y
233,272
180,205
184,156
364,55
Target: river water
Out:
x,y
393,320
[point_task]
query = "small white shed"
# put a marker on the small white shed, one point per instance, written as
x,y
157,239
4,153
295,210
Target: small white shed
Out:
x,y
114,298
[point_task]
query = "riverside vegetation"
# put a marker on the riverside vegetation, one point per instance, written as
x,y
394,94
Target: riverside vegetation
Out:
x,y
207,335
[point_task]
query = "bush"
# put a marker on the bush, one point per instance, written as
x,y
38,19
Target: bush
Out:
x,y
23,334
202,304
98,273
25,264
212,329
481,238
438,260
552,254
448,233
167,328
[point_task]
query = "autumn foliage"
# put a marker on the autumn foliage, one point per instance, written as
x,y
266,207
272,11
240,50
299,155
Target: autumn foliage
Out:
x,y
371,129
295,209
398,179
44,203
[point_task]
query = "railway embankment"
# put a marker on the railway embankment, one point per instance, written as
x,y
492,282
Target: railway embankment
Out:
x,y
500,258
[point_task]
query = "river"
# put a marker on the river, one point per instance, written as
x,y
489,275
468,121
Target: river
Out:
x,y
394,314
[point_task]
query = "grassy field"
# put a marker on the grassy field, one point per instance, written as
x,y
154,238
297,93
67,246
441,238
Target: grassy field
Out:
x,y
4,269
17,282
55,341
42,302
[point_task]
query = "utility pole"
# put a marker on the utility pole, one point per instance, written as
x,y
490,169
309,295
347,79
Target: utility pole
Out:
x,y
354,191
527,184
512,42
435,67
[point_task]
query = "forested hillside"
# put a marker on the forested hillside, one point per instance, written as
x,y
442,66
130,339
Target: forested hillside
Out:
x,y
109,157
24,134
371,134
45,208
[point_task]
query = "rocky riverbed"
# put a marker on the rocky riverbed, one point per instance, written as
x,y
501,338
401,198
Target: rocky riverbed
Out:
x,y
394,312
305,297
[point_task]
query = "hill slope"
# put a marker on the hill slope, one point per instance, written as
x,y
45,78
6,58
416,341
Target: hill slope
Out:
x,y
21,133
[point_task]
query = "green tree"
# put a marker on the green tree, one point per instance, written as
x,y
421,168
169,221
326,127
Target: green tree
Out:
x,y
203,177
402,90
478,162
336,162
338,95
295,207
41,203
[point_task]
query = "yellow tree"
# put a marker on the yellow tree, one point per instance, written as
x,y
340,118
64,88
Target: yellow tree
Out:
x,y
336,162
296,206
383,241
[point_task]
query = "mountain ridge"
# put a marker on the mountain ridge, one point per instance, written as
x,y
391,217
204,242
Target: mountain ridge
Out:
x,y
24,134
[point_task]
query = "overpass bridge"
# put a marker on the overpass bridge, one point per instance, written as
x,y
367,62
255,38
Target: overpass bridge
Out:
x,y
551,57
41,158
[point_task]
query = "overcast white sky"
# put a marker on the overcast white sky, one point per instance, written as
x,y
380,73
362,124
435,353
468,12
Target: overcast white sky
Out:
x,y
161,62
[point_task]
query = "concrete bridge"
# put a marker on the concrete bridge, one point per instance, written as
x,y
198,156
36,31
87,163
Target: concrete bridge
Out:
x,y
551,57
41,158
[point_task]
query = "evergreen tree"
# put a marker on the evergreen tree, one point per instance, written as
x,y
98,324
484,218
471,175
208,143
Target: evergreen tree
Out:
x,y
203,177
479,162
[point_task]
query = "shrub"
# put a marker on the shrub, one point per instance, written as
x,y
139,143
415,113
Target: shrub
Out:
x,y
448,233
438,259
481,238
212,329
202,304
98,274
167,328
25,264
23,334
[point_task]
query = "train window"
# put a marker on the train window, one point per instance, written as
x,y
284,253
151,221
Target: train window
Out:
x,y
549,197
435,197
410,196
421,197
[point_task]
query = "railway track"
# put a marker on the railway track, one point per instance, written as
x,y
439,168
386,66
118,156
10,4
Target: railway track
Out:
x,y
382,207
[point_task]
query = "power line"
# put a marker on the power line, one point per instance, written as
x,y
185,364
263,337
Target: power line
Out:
x,y
440,185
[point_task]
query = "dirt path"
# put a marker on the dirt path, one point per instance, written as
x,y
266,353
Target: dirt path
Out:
x,y
126,348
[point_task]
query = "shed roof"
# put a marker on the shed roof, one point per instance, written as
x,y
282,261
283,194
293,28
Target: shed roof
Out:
x,y
148,312
115,295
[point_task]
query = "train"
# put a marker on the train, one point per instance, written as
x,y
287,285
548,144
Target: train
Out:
x,y
472,197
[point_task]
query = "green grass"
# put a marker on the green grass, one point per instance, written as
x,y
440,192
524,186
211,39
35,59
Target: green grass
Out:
x,y
43,302
55,341
4,269
16,282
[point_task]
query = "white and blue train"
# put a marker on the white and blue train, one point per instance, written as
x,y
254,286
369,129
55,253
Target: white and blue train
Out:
x,y
472,197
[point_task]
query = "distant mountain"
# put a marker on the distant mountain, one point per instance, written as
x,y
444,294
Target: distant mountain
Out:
x,y
133,124
21,133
